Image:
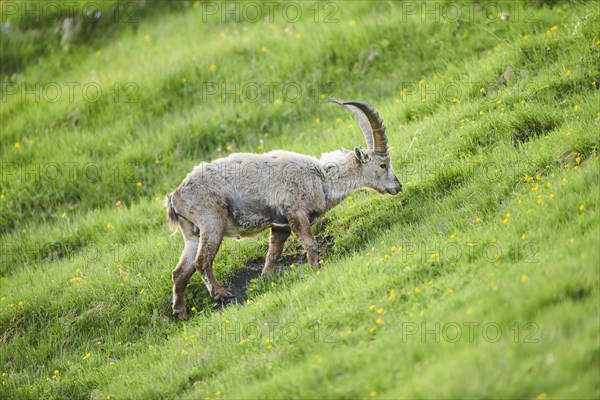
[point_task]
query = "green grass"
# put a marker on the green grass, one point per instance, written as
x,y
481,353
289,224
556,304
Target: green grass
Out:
x,y
479,280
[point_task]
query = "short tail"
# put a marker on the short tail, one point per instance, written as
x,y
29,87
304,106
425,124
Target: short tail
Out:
x,y
172,216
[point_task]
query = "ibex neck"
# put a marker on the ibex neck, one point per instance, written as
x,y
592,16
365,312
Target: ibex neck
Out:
x,y
341,176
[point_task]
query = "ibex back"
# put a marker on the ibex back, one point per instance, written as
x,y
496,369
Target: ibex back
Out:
x,y
243,194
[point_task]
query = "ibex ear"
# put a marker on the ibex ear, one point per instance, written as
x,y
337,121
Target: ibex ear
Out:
x,y
361,155
345,150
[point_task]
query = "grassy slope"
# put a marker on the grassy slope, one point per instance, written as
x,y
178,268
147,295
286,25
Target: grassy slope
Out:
x,y
464,171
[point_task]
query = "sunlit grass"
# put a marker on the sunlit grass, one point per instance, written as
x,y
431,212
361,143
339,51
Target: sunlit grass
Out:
x,y
497,223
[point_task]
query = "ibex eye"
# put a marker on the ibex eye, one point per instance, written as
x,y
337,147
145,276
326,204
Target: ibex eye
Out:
x,y
383,165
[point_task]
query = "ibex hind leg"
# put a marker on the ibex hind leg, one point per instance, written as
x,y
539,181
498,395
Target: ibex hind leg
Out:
x,y
211,235
185,267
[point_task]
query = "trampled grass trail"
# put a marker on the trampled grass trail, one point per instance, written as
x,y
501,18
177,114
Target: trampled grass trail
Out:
x,y
479,280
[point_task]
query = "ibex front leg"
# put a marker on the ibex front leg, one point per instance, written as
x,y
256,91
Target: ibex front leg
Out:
x,y
276,242
300,225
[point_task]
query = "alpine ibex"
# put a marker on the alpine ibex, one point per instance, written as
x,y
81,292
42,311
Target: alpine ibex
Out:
x,y
243,194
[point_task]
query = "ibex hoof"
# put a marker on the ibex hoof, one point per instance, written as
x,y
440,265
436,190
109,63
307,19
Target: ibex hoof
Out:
x,y
230,300
225,300
179,314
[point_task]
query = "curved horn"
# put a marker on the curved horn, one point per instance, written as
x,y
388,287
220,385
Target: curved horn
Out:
x,y
370,123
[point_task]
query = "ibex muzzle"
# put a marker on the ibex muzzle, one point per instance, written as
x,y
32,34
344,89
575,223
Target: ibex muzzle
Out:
x,y
243,194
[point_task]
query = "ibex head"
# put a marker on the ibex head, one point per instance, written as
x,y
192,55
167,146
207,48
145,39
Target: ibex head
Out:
x,y
375,160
